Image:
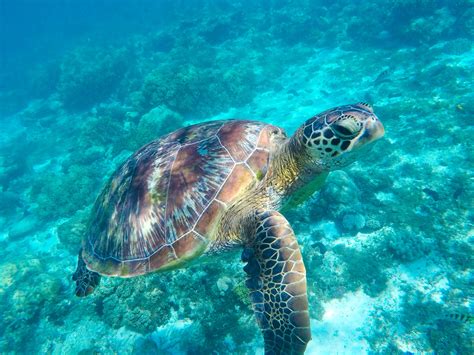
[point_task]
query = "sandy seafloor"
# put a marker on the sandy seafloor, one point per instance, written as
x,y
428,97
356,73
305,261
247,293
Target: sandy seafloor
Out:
x,y
387,243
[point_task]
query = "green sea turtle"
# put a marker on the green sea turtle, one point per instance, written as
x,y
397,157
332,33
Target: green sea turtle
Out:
x,y
217,185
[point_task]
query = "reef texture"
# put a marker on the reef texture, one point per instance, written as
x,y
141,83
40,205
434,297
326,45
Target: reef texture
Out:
x,y
387,242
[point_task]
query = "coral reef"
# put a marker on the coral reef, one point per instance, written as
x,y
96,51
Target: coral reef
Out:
x,y
28,292
90,69
134,305
196,91
387,242
71,231
59,195
158,121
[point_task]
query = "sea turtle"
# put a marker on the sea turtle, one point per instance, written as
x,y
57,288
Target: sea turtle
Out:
x,y
217,185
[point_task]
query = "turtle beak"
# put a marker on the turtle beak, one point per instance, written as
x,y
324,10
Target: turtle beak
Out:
x,y
373,130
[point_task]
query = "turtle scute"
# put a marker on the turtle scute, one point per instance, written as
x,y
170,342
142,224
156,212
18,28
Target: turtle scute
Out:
x,y
162,204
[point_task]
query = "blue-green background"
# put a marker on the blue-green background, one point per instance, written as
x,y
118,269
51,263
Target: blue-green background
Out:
x,y
388,242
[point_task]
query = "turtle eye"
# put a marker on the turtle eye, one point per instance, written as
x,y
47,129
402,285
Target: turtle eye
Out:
x,y
346,127
278,132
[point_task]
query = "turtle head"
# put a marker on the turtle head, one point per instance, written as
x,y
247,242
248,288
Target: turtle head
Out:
x,y
337,137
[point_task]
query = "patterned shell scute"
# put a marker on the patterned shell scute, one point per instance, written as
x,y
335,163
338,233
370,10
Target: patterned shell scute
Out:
x,y
160,206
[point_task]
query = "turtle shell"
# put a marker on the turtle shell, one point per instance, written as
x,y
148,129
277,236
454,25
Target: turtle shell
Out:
x,y
161,205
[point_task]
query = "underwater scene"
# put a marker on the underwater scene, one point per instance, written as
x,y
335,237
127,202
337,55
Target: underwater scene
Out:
x,y
311,243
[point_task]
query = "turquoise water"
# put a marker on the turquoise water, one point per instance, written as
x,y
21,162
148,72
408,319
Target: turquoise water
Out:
x,y
387,242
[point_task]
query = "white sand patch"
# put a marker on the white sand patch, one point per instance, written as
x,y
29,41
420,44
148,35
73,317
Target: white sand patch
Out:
x,y
90,334
340,331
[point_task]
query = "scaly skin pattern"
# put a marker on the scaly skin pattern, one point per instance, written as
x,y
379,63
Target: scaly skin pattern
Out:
x,y
300,165
277,284
86,280
292,172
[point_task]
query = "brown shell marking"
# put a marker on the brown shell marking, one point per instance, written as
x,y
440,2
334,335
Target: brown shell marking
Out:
x,y
161,206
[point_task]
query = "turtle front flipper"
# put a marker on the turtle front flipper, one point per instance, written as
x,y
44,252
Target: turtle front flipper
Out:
x,y
86,280
277,283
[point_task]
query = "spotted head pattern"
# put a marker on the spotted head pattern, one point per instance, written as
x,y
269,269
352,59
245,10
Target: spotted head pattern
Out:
x,y
332,133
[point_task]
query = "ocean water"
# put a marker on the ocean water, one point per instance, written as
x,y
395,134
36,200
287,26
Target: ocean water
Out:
x,y
387,242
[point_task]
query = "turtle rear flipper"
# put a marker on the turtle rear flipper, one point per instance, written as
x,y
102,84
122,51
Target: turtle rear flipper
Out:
x,y
277,283
86,280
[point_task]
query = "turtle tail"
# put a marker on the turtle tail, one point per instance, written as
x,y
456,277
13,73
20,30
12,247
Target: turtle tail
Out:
x,y
86,280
